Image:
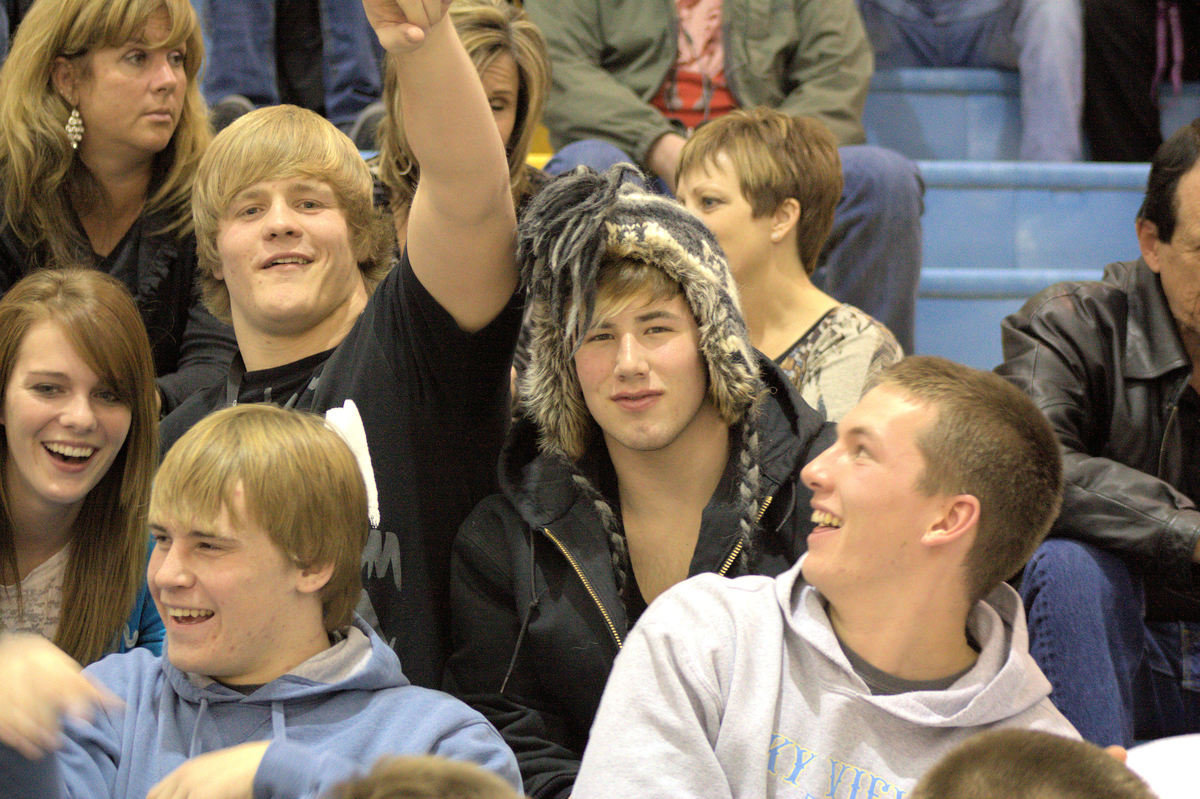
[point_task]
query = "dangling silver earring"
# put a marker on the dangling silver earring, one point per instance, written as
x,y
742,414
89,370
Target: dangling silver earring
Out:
x,y
74,128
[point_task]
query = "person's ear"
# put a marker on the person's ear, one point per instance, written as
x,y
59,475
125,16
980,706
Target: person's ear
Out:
x,y
784,219
64,75
1148,241
959,518
313,578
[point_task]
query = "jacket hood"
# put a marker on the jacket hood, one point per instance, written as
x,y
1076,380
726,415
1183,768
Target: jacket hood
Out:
x,y
1003,683
360,661
575,225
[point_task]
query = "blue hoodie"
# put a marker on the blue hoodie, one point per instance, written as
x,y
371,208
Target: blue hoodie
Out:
x,y
329,719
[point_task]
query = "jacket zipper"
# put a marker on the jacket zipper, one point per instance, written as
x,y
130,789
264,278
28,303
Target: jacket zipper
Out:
x,y
587,584
737,548
1172,420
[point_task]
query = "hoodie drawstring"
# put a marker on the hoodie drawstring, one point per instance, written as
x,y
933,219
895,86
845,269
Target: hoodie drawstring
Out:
x,y
534,599
278,729
194,743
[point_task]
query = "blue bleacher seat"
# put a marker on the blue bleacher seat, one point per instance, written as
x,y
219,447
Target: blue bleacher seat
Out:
x,y
995,233
942,113
945,113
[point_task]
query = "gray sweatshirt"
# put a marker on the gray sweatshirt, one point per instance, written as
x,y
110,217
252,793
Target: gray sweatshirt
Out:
x,y
739,688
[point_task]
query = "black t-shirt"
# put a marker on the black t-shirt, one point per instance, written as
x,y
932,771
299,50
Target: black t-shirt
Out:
x,y
433,403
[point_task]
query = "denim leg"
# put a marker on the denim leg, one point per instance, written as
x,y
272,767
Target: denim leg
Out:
x,y
240,39
1042,39
940,33
872,259
1049,40
352,59
595,153
3,33
599,155
1086,631
1168,703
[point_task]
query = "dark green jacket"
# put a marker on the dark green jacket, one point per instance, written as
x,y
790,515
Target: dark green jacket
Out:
x,y
610,57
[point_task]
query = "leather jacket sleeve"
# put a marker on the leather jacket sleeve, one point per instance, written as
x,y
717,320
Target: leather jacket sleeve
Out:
x,y
1063,348
487,628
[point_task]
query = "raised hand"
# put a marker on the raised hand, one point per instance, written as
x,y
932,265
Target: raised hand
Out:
x,y
402,25
39,684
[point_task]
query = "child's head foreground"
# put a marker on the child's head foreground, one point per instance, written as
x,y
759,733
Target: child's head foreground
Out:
x,y
428,777
1031,765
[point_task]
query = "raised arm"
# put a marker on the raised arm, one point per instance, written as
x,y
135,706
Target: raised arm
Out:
x,y
461,227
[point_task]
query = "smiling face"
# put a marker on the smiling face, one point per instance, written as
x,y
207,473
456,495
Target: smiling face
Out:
x,y
869,512
643,378
234,606
63,424
286,259
130,97
714,194
500,83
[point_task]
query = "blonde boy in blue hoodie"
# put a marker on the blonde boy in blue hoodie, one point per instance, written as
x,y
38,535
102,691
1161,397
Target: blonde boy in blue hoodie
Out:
x,y
269,685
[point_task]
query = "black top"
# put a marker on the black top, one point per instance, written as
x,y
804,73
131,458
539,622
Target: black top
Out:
x,y
433,403
191,349
537,616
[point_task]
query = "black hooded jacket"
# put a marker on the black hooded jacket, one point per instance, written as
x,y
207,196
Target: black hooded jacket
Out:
x,y
536,615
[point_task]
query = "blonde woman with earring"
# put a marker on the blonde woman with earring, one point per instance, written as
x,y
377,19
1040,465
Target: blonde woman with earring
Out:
x,y
101,128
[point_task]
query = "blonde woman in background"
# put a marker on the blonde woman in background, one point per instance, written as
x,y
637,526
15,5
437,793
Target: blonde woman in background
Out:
x,y
510,55
101,129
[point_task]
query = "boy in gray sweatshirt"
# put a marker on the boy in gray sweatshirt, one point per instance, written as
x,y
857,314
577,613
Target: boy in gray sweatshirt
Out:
x,y
891,641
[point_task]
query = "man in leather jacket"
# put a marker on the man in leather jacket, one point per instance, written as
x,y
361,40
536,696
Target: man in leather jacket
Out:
x,y
1113,599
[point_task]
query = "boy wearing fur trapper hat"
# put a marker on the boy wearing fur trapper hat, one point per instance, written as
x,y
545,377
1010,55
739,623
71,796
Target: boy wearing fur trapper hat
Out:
x,y
653,443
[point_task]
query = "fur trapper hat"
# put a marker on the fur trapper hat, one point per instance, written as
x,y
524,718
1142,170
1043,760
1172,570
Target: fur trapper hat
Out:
x,y
574,225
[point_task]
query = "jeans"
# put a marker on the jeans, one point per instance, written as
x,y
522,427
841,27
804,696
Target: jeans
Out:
x,y
872,259
239,38
1115,676
1042,39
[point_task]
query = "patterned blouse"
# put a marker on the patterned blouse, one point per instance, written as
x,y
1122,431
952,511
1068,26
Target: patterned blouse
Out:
x,y
830,364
